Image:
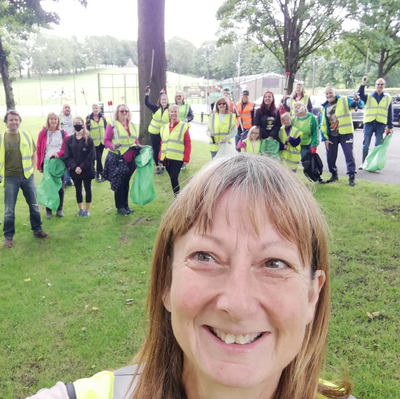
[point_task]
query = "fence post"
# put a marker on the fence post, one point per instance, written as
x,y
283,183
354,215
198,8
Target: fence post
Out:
x,y
202,115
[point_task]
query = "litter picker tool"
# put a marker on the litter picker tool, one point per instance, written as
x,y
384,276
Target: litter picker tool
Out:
x,y
62,95
84,96
366,62
151,72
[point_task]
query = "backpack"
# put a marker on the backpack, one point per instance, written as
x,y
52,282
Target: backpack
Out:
x,y
312,166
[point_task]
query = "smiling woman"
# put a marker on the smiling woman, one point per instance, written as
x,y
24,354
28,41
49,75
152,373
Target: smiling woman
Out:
x,y
239,297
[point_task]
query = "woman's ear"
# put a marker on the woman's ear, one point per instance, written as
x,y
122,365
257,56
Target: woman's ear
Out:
x,y
166,301
313,295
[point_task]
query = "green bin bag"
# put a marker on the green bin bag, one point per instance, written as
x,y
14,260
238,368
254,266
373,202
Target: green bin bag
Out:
x,y
376,160
270,148
48,188
142,190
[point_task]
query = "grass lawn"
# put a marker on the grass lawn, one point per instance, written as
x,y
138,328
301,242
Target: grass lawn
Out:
x,y
63,311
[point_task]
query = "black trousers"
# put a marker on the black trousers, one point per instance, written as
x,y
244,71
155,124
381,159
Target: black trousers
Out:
x,y
121,195
99,155
88,189
174,168
61,195
155,145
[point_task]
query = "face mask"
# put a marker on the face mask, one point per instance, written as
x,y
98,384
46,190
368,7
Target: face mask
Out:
x,y
78,128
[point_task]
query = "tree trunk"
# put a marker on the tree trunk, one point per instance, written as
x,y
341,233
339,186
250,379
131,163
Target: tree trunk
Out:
x,y
151,14
5,76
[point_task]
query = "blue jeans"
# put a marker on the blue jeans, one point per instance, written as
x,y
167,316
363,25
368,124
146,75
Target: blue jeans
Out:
x,y
67,176
11,189
369,129
305,149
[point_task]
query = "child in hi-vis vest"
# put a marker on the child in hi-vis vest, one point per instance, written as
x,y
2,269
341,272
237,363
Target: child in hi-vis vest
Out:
x,y
289,146
252,144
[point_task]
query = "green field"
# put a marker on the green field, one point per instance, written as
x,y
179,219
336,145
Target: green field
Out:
x,y
112,83
70,319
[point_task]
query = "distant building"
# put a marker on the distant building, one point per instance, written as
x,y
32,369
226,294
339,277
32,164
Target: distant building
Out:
x,y
130,64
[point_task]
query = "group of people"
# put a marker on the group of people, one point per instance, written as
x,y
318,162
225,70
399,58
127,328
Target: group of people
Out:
x,y
296,128
80,144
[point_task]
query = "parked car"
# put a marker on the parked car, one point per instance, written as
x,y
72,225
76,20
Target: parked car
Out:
x,y
396,110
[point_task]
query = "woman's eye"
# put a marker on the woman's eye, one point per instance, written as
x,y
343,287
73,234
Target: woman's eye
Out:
x,y
203,257
275,264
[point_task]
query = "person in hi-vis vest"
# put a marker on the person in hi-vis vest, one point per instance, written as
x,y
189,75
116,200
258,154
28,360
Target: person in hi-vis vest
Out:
x,y
160,118
17,167
378,114
96,124
337,128
66,122
245,116
185,111
175,146
122,141
299,94
221,126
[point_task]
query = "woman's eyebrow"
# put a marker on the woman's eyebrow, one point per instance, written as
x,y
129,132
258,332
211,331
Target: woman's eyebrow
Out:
x,y
264,246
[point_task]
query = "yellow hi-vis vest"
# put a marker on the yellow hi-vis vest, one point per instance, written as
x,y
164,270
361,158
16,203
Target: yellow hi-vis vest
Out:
x,y
97,131
249,147
344,117
291,156
26,148
121,137
304,100
158,121
173,144
183,111
374,111
219,129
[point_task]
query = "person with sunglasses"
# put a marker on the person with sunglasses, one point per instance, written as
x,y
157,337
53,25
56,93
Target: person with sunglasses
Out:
x,y
378,114
221,126
122,141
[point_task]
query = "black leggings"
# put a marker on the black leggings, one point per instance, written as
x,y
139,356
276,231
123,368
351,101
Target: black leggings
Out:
x,y
88,188
155,145
99,154
174,168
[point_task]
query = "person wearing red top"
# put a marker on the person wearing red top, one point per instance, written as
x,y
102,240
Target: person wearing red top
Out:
x,y
51,144
175,146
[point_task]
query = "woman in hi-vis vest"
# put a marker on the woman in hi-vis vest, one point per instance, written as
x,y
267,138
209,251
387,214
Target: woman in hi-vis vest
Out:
x,y
160,118
299,94
122,141
185,111
221,126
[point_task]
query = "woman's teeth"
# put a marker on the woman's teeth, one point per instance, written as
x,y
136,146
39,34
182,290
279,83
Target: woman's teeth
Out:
x,y
235,339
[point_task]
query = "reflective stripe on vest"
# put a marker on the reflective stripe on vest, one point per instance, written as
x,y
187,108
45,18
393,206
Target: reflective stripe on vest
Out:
x,y
183,112
122,137
374,111
26,149
303,100
245,115
173,144
291,156
220,129
344,117
159,119
97,131
249,147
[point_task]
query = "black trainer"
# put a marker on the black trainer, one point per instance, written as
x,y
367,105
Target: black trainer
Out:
x,y
352,180
333,178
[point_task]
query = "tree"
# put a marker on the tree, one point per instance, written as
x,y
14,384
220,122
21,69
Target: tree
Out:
x,y
150,37
291,30
205,60
180,54
379,28
20,18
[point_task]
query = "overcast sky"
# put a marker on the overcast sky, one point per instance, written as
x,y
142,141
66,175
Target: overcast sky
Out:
x,y
193,20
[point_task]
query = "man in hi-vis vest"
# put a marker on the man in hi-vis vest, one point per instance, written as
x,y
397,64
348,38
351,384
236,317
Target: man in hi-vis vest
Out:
x,y
337,128
377,114
17,166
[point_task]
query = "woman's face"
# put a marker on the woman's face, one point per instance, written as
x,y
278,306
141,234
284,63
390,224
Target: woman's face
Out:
x,y
123,113
231,285
163,101
299,89
53,122
299,110
222,107
268,98
95,110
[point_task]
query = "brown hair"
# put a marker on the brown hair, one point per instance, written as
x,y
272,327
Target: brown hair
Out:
x,y
117,112
159,101
254,178
11,112
85,132
50,115
219,101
